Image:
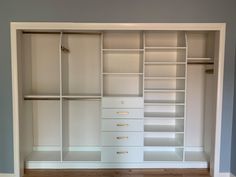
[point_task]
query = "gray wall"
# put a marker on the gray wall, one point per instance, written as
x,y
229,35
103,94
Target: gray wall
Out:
x,y
233,147
114,11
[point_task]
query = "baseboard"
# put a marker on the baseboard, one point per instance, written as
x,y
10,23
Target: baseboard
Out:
x,y
6,175
225,175
231,175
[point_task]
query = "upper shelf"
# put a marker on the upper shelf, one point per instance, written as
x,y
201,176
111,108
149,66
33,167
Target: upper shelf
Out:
x,y
165,40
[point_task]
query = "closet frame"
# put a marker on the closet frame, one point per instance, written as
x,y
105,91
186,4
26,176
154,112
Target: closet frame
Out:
x,y
18,27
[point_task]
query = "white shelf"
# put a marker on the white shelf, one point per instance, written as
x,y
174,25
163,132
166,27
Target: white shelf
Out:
x,y
165,48
41,97
196,156
163,63
163,90
123,50
121,95
165,142
82,156
122,73
163,128
162,115
162,156
44,156
156,78
82,96
162,102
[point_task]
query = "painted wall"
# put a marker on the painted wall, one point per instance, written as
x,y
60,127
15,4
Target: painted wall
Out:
x,y
233,147
114,11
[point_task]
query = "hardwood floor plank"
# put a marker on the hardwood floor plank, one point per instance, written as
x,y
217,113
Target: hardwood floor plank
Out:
x,y
119,173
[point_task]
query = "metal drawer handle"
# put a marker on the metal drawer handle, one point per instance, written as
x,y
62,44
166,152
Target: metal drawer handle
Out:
x,y
122,137
122,152
122,125
122,113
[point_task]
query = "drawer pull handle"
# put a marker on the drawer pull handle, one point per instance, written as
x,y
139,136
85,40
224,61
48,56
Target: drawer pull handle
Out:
x,y
122,125
122,137
122,152
122,113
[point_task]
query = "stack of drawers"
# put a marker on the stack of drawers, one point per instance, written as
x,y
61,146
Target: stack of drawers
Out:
x,y
122,129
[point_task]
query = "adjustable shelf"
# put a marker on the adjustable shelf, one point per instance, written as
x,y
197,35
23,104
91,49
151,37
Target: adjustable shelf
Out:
x,y
165,48
162,102
161,78
163,63
41,97
122,50
163,115
163,90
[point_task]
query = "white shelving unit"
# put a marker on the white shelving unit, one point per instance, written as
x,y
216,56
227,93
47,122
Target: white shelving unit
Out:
x,y
165,61
117,98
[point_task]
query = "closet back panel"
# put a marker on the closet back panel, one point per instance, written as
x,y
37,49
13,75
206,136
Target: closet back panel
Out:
x,y
122,85
195,106
165,55
122,40
81,65
163,84
165,70
122,62
41,63
81,123
200,44
165,39
46,122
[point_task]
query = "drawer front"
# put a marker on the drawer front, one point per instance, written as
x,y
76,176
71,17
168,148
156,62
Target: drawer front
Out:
x,y
123,102
116,154
122,138
122,125
122,113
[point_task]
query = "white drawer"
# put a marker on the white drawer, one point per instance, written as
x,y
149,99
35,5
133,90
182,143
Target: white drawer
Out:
x,y
122,138
123,102
122,154
122,113
122,125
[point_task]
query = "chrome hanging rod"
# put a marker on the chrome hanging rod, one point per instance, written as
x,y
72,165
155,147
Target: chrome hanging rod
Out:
x,y
200,63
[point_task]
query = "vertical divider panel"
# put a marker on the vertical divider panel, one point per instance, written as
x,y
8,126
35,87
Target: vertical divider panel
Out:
x,y
101,74
185,92
61,118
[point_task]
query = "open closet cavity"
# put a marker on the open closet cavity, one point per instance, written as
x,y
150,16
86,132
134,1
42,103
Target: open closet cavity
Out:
x,y
117,98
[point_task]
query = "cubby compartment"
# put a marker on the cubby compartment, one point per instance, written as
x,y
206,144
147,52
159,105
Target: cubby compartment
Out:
x,y
164,98
44,139
165,70
81,71
122,40
165,39
41,57
81,129
164,125
157,56
123,62
201,45
151,85
164,139
123,85
167,154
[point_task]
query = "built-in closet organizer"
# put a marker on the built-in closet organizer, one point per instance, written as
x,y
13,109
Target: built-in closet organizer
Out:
x,y
117,98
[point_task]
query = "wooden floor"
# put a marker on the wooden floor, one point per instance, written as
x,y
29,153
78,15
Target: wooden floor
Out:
x,y
119,173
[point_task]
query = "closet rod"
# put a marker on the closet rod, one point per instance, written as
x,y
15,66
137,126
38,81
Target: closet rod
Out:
x,y
200,63
47,32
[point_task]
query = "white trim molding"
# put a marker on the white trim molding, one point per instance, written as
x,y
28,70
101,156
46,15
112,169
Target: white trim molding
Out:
x,y
231,175
225,175
7,175
19,26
